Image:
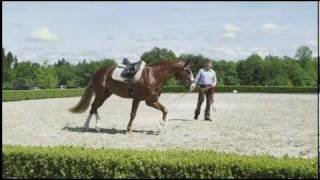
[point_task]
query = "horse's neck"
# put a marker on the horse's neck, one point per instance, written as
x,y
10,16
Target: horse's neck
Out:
x,y
163,73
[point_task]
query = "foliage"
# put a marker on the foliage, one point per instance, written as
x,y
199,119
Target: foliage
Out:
x,y
26,74
227,73
303,55
157,55
8,63
251,71
80,162
66,73
85,70
172,82
274,71
197,61
47,78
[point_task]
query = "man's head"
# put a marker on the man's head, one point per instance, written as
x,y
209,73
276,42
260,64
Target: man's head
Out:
x,y
208,64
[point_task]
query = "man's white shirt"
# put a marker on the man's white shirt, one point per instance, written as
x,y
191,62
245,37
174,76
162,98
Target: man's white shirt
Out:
x,y
206,77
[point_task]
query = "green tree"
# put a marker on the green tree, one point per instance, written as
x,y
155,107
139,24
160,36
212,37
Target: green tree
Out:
x,y
3,54
46,77
4,71
294,72
157,55
65,72
7,66
108,62
173,82
250,71
303,55
270,71
62,62
85,70
226,73
274,72
73,83
26,74
197,61
310,68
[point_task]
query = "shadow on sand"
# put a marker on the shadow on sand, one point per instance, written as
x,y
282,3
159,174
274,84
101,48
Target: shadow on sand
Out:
x,y
188,120
108,131
180,119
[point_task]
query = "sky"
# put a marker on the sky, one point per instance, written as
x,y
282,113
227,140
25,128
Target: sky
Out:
x,y
39,31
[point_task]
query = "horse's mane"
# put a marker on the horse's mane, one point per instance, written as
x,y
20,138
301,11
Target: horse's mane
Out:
x,y
165,62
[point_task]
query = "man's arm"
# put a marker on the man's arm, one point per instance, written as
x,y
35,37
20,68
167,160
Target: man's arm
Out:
x,y
214,79
198,77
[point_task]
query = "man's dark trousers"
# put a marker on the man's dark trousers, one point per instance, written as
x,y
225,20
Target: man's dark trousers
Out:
x,y
208,95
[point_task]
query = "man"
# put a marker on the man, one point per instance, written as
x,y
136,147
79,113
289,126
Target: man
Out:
x,y
205,79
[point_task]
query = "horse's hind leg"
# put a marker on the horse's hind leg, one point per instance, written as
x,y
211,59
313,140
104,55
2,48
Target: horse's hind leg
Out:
x,y
98,101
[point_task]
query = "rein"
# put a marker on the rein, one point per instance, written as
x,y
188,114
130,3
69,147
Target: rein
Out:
x,y
176,99
201,89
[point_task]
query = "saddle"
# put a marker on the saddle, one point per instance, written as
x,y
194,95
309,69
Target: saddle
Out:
x,y
129,73
130,69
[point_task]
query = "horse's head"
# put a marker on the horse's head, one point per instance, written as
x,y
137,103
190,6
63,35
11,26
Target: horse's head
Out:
x,y
184,74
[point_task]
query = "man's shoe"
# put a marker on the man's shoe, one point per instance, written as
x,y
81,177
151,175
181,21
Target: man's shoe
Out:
x,y
195,117
207,119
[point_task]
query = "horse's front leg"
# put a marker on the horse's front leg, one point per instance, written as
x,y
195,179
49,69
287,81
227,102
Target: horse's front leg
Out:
x,y
164,110
157,105
135,104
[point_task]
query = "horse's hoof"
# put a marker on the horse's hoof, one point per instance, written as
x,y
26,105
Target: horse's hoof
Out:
x,y
129,129
164,117
98,129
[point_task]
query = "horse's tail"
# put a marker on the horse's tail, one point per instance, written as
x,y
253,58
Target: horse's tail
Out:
x,y
85,99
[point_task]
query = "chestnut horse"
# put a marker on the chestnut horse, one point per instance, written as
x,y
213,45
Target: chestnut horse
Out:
x,y
147,88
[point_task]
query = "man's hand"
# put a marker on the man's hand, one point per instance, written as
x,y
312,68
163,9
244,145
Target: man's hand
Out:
x,y
192,87
197,88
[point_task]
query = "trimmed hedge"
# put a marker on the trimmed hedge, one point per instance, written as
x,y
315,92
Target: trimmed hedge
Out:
x,y
80,162
16,95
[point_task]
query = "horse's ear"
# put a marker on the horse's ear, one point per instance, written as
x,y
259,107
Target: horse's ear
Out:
x,y
187,63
